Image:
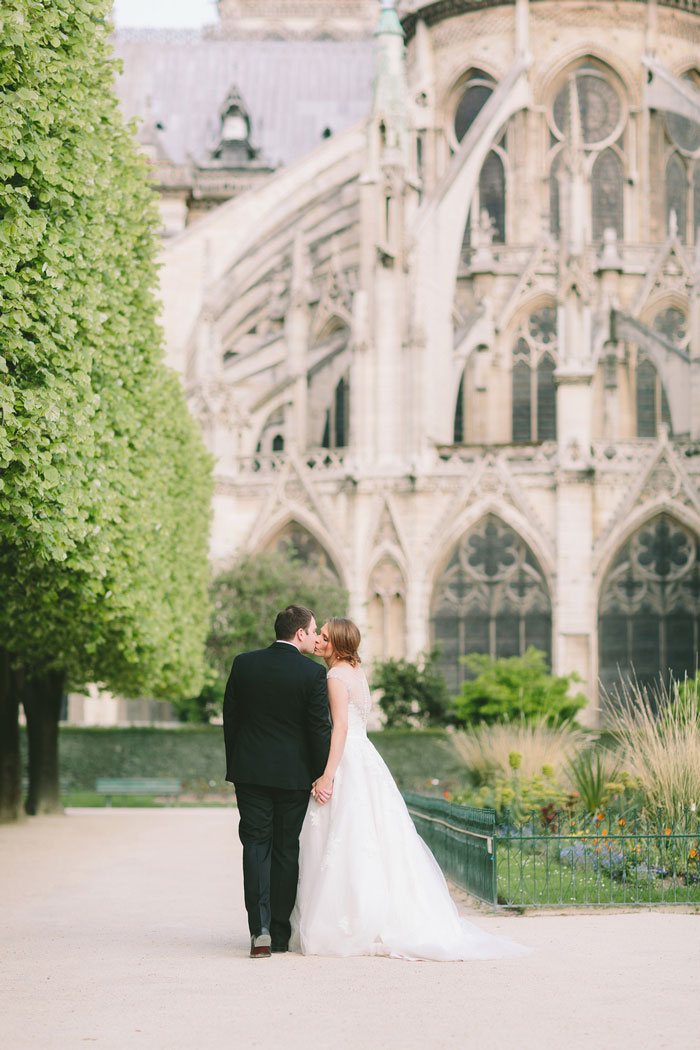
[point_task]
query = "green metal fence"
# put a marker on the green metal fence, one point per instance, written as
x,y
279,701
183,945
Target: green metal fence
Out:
x,y
567,858
462,841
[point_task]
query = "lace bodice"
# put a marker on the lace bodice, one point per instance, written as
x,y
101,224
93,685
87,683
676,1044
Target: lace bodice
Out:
x,y
359,699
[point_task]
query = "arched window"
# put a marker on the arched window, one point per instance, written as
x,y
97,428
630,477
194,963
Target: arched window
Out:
x,y
607,195
298,542
533,391
590,93
491,598
459,428
649,613
478,89
336,429
492,195
272,435
677,193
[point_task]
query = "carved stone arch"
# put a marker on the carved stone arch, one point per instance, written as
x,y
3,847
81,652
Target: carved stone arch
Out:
x,y
634,520
458,82
295,530
569,57
491,597
478,508
386,607
272,436
648,604
331,325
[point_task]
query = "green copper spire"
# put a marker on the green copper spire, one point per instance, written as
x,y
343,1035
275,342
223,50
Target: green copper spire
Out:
x,y
389,20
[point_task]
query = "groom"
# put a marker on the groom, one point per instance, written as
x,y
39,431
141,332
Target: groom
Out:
x,y
277,734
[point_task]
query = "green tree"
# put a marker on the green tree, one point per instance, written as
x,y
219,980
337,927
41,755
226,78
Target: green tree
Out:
x,y
105,483
245,600
414,694
515,687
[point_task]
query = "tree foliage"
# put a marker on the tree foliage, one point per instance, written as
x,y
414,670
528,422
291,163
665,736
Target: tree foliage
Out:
x,y
414,694
245,601
104,480
516,687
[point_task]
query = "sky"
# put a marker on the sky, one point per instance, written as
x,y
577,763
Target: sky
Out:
x,y
176,14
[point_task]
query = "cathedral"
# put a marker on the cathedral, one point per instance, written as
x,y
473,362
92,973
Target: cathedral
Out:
x,y
431,277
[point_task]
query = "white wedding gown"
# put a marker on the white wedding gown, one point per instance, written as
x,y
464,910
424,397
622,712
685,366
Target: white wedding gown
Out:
x,y
368,884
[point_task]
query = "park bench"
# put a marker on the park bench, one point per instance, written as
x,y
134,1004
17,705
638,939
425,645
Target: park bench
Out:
x,y
109,786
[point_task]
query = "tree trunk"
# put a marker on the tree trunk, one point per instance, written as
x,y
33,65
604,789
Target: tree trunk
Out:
x,y
10,763
41,698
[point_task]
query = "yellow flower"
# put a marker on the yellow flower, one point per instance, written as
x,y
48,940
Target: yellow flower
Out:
x,y
603,832
622,822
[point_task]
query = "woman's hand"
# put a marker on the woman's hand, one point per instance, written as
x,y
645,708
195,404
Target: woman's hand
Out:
x,y
322,789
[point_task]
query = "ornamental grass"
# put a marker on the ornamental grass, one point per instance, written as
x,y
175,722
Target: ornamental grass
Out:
x,y
657,730
488,750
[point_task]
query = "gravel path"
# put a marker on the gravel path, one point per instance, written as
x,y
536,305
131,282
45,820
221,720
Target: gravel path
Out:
x,y
125,929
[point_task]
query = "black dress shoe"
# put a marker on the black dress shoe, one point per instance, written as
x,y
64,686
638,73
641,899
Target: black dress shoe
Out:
x,y
260,945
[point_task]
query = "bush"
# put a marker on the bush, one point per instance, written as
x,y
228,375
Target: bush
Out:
x,y
514,688
414,694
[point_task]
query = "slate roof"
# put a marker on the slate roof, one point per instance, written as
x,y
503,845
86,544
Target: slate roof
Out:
x,y
293,89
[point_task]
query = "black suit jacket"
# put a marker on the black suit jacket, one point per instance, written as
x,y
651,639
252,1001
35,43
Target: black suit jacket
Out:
x,y
276,721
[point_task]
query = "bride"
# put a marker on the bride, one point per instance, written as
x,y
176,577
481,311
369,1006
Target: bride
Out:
x,y
368,884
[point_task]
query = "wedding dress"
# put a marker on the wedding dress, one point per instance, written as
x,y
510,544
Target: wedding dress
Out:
x,y
368,884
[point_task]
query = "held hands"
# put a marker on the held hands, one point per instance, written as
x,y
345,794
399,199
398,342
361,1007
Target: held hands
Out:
x,y
322,789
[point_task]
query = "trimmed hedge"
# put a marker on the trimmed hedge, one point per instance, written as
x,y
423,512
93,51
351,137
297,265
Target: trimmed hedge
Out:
x,y
195,754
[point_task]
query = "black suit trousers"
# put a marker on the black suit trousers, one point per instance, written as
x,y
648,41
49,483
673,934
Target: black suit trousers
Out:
x,y
269,828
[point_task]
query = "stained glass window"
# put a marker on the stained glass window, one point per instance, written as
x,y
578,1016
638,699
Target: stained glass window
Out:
x,y
533,391
478,90
546,400
607,194
492,195
646,398
677,193
599,106
672,324
683,132
522,402
649,613
492,598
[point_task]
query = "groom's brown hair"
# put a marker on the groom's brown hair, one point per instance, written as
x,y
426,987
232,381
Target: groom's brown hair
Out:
x,y
290,620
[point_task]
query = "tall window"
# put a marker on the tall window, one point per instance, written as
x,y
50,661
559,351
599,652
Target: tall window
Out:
x,y
588,114
336,429
533,391
652,404
492,598
683,169
490,197
649,613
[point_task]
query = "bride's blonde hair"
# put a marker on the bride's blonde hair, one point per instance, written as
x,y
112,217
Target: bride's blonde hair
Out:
x,y
345,638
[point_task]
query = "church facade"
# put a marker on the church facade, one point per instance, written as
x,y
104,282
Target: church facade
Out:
x,y
450,350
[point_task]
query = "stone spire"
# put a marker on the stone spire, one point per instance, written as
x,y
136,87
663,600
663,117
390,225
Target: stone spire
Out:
x,y
389,94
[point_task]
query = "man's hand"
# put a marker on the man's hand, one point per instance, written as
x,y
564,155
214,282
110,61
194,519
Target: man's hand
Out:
x,y
322,789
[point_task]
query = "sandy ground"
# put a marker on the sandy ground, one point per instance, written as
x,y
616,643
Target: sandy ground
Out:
x,y
125,929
